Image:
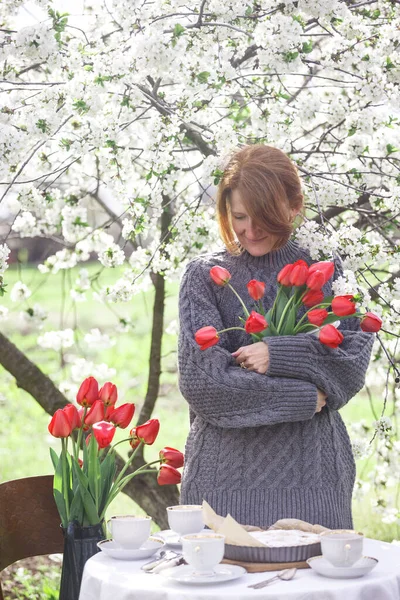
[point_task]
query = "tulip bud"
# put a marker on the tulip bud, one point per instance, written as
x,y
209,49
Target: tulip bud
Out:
x,y
172,457
312,298
122,416
256,289
147,432
60,426
371,323
167,475
88,392
284,275
299,273
72,413
95,414
219,275
108,394
206,337
255,323
317,316
104,433
343,306
315,280
326,267
330,336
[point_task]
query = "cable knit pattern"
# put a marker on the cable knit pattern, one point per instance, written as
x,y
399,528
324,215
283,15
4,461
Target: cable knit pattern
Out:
x,y
256,447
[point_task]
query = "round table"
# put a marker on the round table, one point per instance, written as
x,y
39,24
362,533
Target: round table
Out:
x,y
108,579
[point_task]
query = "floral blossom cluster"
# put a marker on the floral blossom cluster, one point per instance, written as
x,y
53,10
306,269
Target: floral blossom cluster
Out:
x,y
298,285
84,488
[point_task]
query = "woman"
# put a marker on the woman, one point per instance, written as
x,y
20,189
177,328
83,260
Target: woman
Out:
x,y
266,441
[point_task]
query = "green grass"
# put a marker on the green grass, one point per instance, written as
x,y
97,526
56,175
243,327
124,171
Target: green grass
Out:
x,y
24,440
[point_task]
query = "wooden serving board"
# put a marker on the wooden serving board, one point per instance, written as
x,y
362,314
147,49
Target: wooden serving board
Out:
x,y
252,567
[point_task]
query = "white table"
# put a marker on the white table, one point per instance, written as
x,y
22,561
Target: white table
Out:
x,y
108,579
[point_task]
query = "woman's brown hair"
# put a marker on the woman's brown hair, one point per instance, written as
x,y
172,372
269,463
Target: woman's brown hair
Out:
x,y
269,186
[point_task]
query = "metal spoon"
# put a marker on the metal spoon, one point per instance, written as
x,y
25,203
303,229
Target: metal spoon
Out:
x,y
285,575
163,556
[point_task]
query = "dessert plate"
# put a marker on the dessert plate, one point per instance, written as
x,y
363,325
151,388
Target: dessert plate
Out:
x,y
187,574
360,568
171,539
147,549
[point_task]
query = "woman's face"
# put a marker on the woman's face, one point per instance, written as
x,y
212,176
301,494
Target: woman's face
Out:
x,y
252,238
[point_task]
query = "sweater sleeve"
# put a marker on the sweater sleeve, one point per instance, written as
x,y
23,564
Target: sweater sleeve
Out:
x,y
339,372
216,389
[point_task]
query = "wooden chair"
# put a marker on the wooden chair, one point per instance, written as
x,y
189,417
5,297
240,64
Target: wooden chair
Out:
x,y
29,521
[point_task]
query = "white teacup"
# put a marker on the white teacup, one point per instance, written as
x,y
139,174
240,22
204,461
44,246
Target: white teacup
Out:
x,y
203,551
185,518
129,531
342,547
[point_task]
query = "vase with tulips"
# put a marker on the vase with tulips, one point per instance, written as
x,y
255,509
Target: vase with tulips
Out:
x,y
86,480
299,286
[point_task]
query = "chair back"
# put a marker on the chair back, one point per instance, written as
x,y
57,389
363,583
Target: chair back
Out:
x,y
29,520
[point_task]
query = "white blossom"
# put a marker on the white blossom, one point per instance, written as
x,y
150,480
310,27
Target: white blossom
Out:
x,y
97,340
20,292
57,340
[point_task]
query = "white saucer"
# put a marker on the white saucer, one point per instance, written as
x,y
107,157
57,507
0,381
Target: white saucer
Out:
x,y
359,569
147,549
187,574
171,539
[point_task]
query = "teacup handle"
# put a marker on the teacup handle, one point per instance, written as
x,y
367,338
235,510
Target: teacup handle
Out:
x,y
108,527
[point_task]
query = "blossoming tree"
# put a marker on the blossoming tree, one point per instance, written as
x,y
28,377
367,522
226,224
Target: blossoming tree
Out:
x,y
142,101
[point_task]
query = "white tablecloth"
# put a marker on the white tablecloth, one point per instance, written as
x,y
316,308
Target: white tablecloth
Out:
x,y
108,579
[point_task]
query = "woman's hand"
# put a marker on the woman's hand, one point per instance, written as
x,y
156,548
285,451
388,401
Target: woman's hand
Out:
x,y
254,357
321,402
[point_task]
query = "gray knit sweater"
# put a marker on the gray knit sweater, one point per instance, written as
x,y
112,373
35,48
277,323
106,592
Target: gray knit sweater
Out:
x,y
256,448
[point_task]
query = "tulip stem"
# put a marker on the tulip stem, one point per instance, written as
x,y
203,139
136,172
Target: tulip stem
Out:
x,y
281,320
120,442
79,441
124,469
231,328
246,312
64,477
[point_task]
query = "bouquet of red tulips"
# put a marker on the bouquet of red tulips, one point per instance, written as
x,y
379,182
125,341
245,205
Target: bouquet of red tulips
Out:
x,y
84,487
299,285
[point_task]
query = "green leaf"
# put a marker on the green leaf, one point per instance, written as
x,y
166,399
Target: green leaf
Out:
x,y
108,470
54,458
77,511
87,500
60,502
391,149
94,470
203,76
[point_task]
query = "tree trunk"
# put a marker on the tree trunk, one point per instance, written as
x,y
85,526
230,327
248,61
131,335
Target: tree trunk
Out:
x,y
144,489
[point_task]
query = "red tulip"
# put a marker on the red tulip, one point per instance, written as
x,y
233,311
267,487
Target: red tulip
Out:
x,y
284,275
95,413
60,426
326,267
206,337
315,280
219,275
167,475
145,433
371,323
172,457
317,316
88,392
299,273
104,433
73,416
108,394
122,416
256,289
344,305
312,298
255,323
330,336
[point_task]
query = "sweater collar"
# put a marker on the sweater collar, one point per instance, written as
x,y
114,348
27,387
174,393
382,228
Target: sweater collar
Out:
x,y
289,253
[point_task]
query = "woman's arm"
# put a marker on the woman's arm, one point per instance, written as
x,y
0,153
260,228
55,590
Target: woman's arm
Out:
x,y
217,390
339,372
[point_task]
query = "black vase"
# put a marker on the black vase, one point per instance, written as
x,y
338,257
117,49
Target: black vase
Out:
x,y
80,543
